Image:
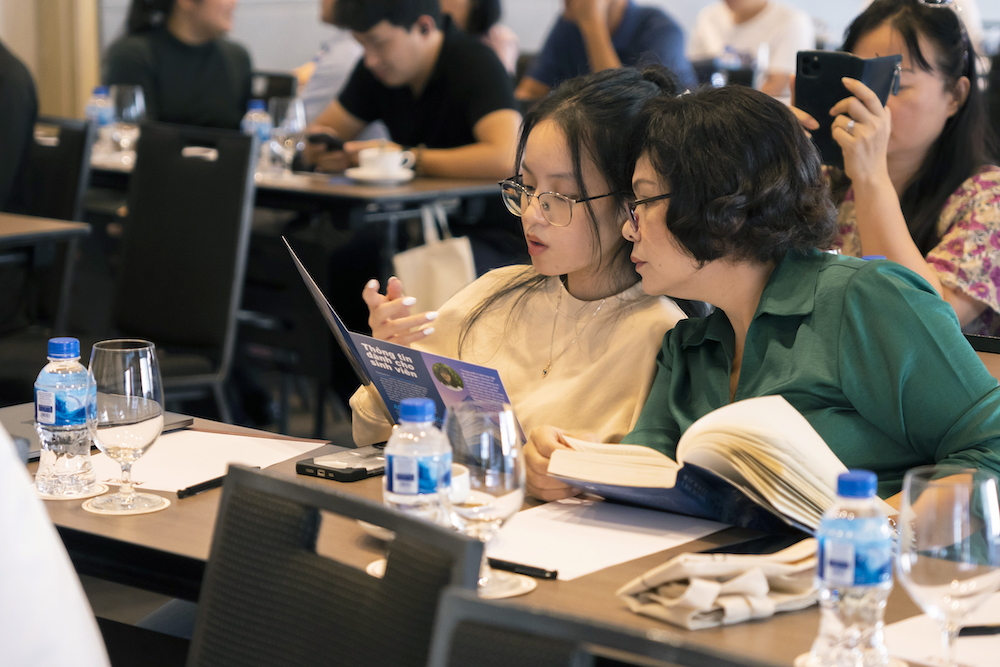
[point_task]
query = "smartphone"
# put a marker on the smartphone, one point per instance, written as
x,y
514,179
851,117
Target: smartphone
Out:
x,y
347,466
331,142
818,87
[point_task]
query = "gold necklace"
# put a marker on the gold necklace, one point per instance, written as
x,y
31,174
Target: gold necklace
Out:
x,y
552,338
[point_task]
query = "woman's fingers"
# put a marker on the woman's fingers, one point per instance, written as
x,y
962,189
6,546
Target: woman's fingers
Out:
x,y
394,288
805,120
863,93
541,443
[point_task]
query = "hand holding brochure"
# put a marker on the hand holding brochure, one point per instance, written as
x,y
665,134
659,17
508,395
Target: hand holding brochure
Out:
x,y
734,465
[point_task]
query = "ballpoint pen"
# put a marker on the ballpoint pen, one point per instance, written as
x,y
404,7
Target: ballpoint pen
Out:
x,y
518,568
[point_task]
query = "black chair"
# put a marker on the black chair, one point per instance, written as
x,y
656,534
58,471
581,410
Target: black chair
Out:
x,y
265,85
184,251
268,599
529,637
59,170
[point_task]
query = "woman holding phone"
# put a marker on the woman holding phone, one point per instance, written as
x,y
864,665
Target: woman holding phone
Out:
x,y
572,335
918,185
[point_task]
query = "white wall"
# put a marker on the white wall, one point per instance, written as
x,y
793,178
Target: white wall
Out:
x,y
282,34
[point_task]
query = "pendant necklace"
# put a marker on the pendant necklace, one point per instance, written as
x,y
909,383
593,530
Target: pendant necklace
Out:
x,y
552,338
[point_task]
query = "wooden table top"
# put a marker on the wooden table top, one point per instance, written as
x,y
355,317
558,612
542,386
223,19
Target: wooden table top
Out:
x,y
185,529
17,230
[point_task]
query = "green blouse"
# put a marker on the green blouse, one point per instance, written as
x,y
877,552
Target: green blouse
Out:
x,y
866,351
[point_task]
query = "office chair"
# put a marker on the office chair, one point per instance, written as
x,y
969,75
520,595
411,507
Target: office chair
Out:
x,y
269,600
517,634
59,168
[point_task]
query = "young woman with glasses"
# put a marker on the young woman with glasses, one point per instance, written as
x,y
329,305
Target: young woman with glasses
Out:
x,y
573,336
855,346
918,185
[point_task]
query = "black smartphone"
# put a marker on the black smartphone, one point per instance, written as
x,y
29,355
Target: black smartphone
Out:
x,y
349,465
818,87
331,142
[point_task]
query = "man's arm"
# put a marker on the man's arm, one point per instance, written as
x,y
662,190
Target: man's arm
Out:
x,y
491,156
591,16
531,89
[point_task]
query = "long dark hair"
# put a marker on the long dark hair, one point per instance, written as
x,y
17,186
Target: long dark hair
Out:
x,y
962,148
596,113
147,14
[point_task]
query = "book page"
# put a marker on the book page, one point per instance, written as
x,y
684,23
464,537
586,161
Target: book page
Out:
x,y
617,450
633,471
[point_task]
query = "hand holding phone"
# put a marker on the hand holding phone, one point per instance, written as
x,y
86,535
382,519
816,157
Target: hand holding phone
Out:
x,y
331,142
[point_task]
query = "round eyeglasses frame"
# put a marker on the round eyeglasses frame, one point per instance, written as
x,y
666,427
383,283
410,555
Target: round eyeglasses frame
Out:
x,y
512,201
632,204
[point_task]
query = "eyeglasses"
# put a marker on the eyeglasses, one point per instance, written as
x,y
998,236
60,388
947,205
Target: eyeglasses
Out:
x,y
632,204
557,209
935,3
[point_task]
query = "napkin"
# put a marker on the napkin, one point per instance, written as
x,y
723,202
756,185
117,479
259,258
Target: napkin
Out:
x,y
697,591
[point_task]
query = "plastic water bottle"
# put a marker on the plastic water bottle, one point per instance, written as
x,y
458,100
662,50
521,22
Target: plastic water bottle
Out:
x,y
418,464
854,576
258,122
65,401
100,110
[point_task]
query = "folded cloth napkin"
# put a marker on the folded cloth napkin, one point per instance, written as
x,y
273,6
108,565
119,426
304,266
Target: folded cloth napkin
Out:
x,y
697,591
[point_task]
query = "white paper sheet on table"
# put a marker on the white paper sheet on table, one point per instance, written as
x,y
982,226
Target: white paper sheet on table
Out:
x,y
185,458
577,536
918,639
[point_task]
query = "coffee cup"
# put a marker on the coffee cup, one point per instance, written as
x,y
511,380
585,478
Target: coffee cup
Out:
x,y
380,160
459,484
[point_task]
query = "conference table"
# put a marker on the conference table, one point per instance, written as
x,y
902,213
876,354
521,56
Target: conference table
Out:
x,y
166,552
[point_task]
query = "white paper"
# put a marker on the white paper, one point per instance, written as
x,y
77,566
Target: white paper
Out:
x,y
577,536
918,639
185,458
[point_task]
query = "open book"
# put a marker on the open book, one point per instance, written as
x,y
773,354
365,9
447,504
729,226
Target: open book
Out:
x,y
755,463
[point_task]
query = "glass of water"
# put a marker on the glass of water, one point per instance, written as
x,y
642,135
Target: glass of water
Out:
x,y
949,544
129,415
485,438
289,118
130,111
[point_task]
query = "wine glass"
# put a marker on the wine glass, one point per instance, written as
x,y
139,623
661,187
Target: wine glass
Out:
x,y
485,439
289,118
129,415
130,111
949,544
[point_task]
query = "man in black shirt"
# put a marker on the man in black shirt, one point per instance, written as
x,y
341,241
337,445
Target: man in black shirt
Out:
x,y
189,74
18,110
438,90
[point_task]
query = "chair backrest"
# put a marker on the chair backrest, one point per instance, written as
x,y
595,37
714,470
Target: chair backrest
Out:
x,y
59,168
268,599
186,237
529,637
265,85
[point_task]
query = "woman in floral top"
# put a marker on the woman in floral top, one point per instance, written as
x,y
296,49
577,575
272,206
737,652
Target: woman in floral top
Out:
x,y
917,186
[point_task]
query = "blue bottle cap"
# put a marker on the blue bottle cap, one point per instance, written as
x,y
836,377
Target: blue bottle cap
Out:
x,y
256,105
64,348
857,484
101,90
871,257
417,410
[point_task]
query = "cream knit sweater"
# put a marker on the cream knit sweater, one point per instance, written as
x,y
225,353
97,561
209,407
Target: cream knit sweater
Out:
x,y
596,385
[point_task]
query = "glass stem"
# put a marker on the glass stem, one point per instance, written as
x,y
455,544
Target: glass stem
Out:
x,y
484,569
126,491
949,635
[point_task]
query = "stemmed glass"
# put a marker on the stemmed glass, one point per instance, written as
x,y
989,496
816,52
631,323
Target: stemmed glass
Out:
x,y
289,118
949,544
130,111
485,439
129,415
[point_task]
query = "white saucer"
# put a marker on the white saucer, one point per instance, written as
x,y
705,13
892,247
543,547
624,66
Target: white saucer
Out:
x,y
372,176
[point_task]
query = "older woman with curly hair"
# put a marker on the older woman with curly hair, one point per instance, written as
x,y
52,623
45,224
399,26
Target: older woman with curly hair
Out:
x,y
731,206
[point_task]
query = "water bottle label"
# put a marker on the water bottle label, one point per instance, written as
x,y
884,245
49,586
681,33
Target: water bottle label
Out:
x,y
844,563
411,475
45,407
63,408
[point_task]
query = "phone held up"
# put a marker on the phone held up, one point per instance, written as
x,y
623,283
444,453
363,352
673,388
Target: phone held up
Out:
x,y
331,142
818,87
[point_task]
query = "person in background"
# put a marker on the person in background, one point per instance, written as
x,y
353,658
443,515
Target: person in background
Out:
x,y
18,111
743,27
575,320
918,184
38,581
440,92
322,78
482,19
175,50
592,35
732,204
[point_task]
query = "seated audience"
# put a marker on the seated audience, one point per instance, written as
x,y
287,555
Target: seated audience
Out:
x,y
920,187
592,35
572,335
731,204
436,88
189,73
322,78
18,110
38,581
744,26
482,19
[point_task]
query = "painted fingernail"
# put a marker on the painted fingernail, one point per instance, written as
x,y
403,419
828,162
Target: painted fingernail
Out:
x,y
428,331
409,301
433,315
371,284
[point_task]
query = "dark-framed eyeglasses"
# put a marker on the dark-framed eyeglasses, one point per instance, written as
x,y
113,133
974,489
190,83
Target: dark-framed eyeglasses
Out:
x,y
936,3
557,209
632,204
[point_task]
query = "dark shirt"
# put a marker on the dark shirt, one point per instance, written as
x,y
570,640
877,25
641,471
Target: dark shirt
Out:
x,y
993,96
206,85
18,111
468,82
646,36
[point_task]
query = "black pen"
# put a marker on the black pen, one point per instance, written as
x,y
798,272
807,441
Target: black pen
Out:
x,y
517,568
979,630
199,488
